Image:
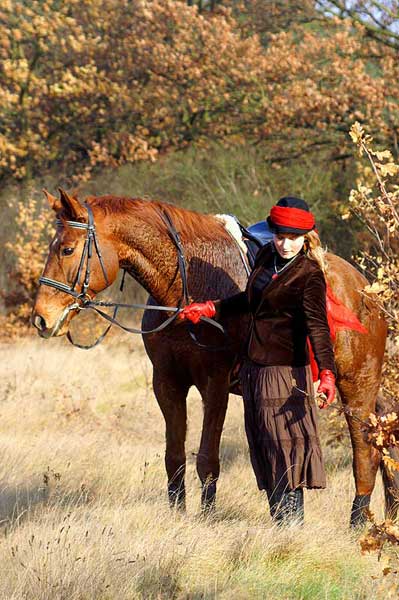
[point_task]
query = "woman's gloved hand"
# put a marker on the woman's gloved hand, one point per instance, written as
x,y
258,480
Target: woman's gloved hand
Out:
x,y
327,387
193,312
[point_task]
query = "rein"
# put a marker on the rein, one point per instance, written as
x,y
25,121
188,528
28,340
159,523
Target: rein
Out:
x,y
83,300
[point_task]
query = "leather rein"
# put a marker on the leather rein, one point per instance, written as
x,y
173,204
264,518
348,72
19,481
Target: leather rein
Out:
x,y
84,301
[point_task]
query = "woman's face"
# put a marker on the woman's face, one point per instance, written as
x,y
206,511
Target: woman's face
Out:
x,y
288,244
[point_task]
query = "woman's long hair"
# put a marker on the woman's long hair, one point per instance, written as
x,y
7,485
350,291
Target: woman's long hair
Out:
x,y
314,249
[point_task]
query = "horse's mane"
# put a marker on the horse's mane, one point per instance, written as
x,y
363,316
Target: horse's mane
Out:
x,y
190,224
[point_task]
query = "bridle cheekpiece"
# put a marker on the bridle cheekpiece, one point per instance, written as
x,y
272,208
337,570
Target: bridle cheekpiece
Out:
x,y
87,253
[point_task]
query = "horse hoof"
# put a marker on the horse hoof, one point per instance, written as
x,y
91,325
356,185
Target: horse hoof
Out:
x,y
359,510
208,507
208,497
177,497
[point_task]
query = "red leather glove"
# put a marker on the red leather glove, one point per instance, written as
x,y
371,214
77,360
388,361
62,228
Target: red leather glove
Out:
x,y
193,312
327,386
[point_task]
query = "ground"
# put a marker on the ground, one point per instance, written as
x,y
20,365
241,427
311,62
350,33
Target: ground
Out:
x,y
83,506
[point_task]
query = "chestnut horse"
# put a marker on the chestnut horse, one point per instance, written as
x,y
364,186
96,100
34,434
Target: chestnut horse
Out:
x,y
132,235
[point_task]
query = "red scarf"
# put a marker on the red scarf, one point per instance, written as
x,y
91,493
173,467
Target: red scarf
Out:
x,y
339,317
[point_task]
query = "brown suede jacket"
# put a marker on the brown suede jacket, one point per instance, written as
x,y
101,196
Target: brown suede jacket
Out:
x,y
289,309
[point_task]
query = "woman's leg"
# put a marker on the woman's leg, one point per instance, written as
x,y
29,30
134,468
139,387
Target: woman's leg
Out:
x,y
282,436
286,507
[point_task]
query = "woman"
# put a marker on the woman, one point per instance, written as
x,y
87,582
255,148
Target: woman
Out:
x,y
286,300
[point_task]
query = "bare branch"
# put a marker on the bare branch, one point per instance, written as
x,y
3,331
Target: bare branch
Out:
x,y
369,15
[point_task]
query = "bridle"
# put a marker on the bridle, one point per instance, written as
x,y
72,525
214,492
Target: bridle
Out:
x,y
87,253
84,301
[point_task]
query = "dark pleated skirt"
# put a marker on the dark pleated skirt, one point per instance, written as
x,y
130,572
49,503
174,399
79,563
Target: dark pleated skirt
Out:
x,y
281,427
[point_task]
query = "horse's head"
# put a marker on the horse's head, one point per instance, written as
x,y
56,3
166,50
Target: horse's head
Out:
x,y
69,276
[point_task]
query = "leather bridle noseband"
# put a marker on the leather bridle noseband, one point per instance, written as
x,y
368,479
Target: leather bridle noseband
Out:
x,y
84,301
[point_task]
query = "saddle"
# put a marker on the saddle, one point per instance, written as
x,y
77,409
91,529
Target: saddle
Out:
x,y
255,236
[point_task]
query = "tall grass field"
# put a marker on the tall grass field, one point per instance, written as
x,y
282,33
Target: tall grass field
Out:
x,y
83,507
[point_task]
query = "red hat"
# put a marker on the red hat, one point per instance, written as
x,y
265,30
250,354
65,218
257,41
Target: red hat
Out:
x,y
291,215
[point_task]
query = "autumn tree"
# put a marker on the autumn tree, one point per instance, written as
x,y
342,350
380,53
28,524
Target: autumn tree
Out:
x,y
268,18
114,81
204,4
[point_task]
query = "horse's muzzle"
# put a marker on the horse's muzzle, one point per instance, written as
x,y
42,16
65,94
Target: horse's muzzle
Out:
x,y
40,323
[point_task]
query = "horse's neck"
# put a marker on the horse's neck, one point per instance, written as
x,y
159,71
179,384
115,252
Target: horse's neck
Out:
x,y
151,259
214,266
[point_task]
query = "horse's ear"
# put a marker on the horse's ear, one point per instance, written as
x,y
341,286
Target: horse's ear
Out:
x,y
55,203
74,210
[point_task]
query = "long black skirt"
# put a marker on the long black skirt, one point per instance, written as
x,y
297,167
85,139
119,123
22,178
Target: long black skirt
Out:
x,y
281,427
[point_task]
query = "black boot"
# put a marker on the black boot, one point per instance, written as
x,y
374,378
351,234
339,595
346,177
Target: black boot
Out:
x,y
287,507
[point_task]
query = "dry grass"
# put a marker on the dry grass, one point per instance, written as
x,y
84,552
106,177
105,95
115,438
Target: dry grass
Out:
x,y
83,506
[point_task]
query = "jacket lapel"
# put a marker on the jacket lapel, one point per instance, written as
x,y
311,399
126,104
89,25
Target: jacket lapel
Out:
x,y
281,279
267,254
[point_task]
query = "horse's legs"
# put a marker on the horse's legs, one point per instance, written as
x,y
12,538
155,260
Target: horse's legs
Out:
x,y
390,480
171,396
366,459
215,396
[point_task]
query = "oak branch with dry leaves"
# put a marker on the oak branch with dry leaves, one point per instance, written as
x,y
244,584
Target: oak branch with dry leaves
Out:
x,y
375,202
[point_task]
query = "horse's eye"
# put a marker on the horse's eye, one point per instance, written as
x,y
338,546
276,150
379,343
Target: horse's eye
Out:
x,y
67,251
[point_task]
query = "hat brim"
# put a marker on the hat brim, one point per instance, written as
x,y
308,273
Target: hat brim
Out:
x,y
284,229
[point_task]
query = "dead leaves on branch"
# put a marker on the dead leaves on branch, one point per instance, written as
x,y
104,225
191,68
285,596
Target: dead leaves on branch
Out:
x,y
34,225
376,202
381,160
383,538
378,535
383,433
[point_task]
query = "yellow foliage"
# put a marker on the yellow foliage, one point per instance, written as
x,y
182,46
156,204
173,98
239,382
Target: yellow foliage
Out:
x,y
111,81
376,203
34,225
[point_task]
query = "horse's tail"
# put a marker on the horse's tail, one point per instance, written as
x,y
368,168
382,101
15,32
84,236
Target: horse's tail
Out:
x,y
390,478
